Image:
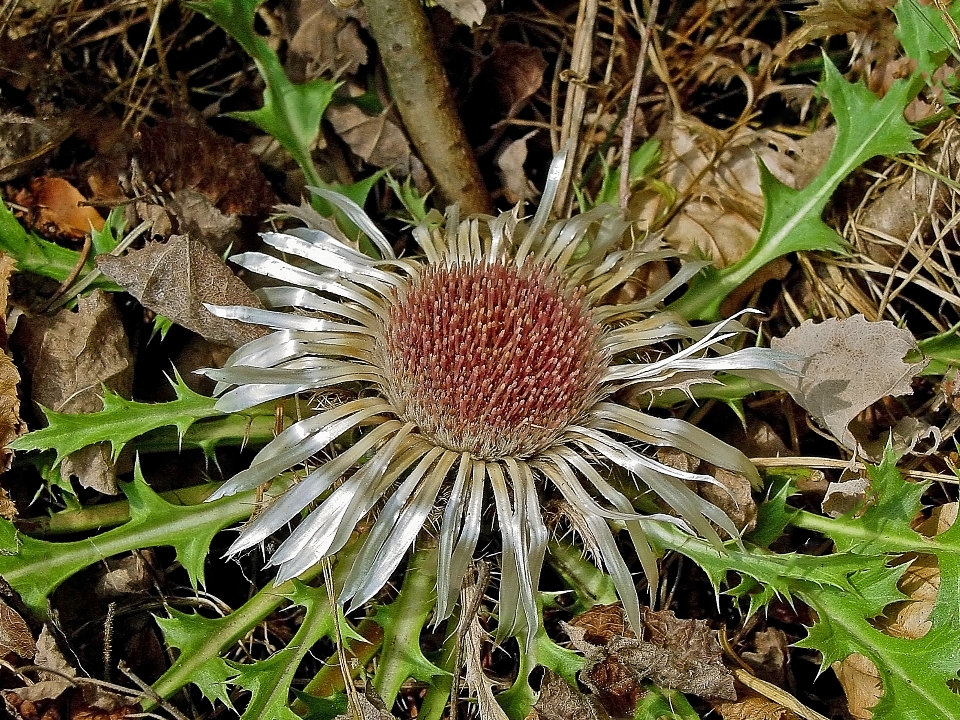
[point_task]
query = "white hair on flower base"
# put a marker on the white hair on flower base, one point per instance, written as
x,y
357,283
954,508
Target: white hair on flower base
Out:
x,y
490,365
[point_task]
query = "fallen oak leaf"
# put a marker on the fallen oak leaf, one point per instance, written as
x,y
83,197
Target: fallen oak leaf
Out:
x,y
177,278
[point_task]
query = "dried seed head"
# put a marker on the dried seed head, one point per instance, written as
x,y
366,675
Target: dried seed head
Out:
x,y
489,358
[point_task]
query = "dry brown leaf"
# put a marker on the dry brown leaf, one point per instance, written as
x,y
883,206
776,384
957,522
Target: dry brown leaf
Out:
x,y
770,657
731,492
844,496
753,706
733,495
906,206
125,576
55,209
376,139
190,212
558,700
861,684
51,685
175,279
324,37
15,635
504,82
682,655
69,356
848,365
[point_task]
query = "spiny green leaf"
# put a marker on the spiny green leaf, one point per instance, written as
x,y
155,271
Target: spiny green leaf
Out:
x,y
291,112
773,515
867,126
269,680
923,33
202,641
916,674
35,568
402,621
188,634
120,421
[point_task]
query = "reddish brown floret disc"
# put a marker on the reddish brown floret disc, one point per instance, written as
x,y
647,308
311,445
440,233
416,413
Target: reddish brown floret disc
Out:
x,y
491,358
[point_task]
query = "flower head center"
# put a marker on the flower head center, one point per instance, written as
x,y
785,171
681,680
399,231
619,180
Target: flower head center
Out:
x,y
490,358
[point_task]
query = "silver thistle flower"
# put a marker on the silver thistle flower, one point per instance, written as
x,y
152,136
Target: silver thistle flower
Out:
x,y
492,362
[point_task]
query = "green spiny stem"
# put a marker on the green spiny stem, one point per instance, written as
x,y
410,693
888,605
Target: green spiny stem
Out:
x,y
100,517
238,624
229,431
402,622
902,541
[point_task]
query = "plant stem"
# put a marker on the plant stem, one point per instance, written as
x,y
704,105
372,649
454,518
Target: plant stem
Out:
x,y
425,101
99,517
402,622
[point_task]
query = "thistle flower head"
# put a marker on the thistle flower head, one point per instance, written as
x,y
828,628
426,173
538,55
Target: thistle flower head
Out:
x,y
488,366
489,358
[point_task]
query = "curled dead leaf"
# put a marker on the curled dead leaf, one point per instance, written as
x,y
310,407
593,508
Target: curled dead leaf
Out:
x,y
682,655
848,365
56,210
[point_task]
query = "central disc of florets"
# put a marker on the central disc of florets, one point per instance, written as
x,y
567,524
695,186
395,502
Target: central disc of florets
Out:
x,y
490,358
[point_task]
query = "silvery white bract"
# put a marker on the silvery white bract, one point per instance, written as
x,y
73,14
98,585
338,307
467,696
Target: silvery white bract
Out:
x,y
488,366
